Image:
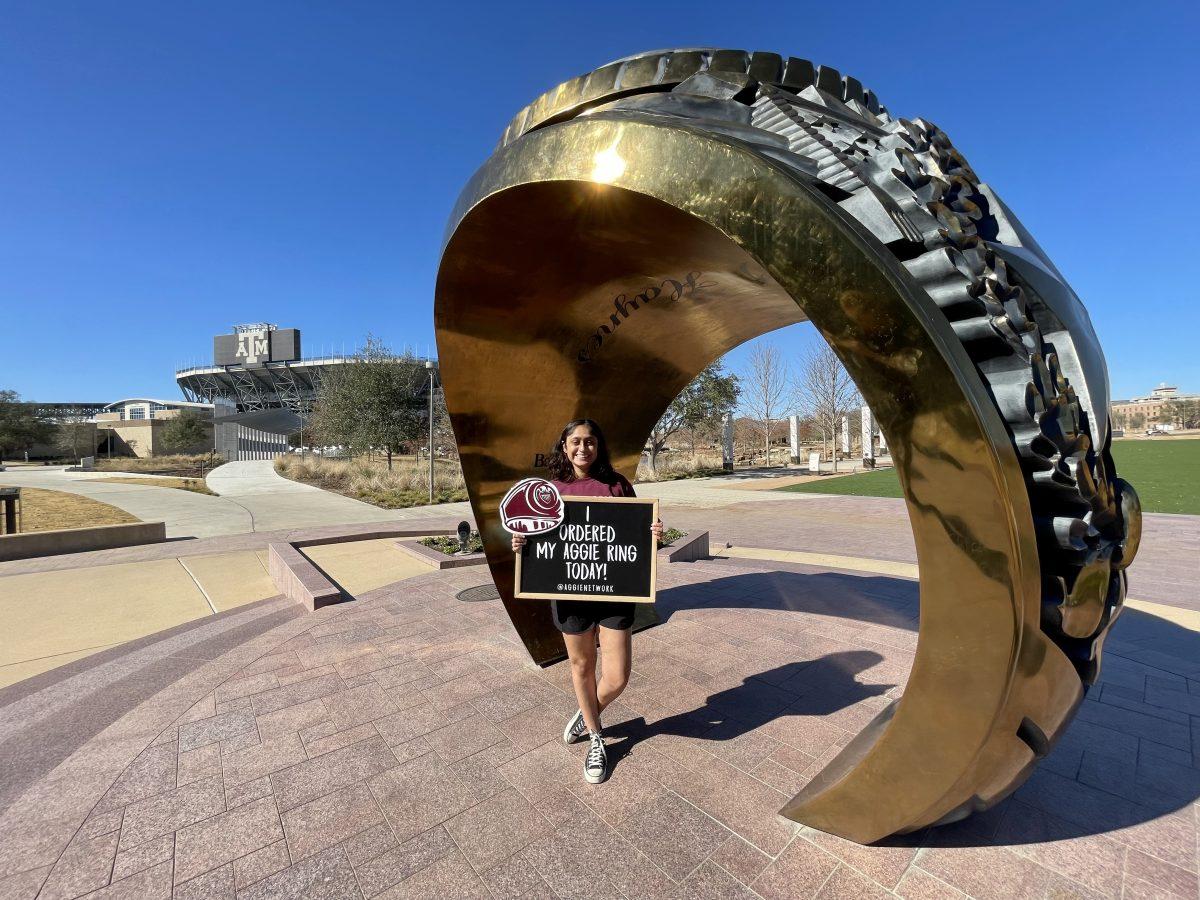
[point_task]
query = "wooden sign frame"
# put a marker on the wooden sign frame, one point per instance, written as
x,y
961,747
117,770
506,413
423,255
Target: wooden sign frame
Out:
x,y
601,598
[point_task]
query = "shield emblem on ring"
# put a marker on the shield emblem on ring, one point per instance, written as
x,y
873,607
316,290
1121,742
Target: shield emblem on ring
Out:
x,y
531,506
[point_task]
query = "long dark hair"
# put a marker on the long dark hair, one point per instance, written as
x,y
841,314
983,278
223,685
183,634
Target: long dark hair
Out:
x,y
560,465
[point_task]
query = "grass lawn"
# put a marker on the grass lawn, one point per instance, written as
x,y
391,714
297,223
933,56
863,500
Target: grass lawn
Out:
x,y
43,510
880,483
1166,475
195,485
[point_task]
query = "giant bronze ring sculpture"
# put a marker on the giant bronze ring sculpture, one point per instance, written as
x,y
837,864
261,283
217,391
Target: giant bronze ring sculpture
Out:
x,y
637,222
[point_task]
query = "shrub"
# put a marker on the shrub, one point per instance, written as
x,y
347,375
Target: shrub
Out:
x,y
449,545
181,464
670,536
673,466
406,484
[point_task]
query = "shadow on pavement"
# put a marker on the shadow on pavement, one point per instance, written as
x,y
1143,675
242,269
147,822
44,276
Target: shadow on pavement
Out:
x,y
825,686
876,599
1127,761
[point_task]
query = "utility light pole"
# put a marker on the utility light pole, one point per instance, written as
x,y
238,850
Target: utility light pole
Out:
x,y
429,367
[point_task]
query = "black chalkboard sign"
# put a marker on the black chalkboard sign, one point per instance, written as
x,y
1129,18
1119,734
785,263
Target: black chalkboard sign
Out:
x,y
603,550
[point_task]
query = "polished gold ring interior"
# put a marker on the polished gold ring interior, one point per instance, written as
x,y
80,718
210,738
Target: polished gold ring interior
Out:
x,y
640,224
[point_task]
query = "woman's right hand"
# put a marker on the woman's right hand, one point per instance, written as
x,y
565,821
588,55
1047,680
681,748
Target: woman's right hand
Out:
x,y
518,542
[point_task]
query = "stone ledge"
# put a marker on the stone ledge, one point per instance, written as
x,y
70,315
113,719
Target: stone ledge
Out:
x,y
299,580
437,558
30,544
373,535
298,577
688,549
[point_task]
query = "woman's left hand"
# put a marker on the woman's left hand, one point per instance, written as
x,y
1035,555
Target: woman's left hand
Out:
x,y
657,530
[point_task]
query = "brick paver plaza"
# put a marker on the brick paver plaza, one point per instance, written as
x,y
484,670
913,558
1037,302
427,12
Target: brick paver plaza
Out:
x,y
403,745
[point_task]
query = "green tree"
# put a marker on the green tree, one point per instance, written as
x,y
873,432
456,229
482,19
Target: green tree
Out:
x,y
1187,413
187,431
376,402
701,404
708,398
20,425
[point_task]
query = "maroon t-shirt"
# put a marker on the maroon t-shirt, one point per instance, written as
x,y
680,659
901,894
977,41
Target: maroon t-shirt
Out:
x,y
590,487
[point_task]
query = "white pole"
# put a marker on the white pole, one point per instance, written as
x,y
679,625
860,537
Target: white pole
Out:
x,y
868,437
429,366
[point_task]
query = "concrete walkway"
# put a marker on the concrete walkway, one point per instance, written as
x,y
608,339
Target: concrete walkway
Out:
x,y
187,514
274,502
1165,570
85,610
252,498
714,493
93,605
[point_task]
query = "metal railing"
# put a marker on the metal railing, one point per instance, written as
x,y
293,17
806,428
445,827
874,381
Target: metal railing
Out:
x,y
306,360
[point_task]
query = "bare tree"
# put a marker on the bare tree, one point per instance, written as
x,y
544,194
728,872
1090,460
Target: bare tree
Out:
x,y
825,391
765,389
75,436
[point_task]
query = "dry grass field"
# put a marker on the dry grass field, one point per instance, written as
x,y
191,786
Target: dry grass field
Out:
x,y
184,465
195,485
681,463
43,510
673,466
369,480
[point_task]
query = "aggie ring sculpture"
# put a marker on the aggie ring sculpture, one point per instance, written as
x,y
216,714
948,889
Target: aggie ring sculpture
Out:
x,y
636,223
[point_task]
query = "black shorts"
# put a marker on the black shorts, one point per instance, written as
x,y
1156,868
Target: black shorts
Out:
x,y
580,616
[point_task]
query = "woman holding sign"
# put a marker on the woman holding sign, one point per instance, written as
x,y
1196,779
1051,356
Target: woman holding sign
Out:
x,y
580,467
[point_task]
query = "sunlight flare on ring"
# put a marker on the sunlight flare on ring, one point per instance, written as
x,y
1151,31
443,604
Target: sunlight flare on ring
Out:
x,y
607,165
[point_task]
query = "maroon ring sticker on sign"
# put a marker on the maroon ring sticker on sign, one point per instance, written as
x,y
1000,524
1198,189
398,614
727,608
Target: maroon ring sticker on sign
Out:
x,y
531,506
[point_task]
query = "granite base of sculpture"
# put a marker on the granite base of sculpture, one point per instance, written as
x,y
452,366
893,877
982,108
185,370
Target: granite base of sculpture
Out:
x,y
639,221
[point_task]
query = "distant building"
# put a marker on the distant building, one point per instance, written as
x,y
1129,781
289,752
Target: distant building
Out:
x,y
1157,410
145,408
262,387
123,428
133,426
258,367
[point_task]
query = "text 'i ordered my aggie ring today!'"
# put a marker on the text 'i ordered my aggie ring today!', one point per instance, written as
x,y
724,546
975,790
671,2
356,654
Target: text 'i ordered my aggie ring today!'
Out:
x,y
603,550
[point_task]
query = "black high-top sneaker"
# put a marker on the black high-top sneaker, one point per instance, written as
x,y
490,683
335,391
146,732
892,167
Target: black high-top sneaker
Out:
x,y
595,764
576,729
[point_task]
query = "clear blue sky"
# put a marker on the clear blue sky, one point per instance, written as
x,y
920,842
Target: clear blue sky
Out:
x,y
170,169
